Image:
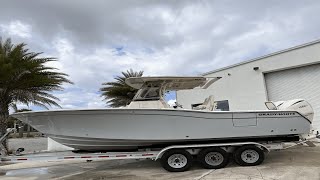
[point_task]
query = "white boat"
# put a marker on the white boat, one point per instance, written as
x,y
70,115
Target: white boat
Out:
x,y
149,121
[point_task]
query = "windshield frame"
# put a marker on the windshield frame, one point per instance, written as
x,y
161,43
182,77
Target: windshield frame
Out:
x,y
143,94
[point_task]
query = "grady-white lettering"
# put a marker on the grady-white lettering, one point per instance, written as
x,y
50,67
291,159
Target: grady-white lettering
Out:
x,y
276,114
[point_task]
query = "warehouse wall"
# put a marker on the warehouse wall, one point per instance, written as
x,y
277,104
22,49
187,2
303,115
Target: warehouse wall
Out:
x,y
244,87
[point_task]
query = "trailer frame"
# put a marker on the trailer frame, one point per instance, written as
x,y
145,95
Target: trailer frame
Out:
x,y
189,150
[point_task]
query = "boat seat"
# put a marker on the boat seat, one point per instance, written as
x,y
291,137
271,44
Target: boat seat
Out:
x,y
207,105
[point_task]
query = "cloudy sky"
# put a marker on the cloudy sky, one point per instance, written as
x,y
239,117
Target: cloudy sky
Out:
x,y
94,40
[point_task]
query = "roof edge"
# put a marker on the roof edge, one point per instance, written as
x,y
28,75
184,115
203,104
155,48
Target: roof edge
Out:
x,y
264,56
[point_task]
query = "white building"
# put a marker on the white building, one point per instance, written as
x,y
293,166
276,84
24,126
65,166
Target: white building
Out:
x,y
289,74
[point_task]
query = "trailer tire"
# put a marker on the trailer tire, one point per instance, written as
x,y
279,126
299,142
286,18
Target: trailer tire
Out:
x,y
176,160
249,155
213,158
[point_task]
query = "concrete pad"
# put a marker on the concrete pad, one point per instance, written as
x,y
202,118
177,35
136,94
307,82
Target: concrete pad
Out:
x,y
29,144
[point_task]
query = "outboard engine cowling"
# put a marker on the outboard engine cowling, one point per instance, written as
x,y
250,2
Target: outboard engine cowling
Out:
x,y
299,105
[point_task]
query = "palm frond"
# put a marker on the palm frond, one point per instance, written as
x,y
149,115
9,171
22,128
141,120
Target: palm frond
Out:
x,y
118,93
25,77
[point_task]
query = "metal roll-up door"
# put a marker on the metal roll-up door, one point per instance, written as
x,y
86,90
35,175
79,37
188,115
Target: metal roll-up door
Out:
x,y
295,83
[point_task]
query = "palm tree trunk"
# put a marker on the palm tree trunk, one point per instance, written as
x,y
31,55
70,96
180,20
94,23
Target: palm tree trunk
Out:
x,y
21,130
4,116
28,130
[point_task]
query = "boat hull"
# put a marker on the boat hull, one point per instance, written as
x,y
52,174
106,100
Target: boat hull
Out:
x,y
93,144
112,129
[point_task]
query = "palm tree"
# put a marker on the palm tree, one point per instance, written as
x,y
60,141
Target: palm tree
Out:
x,y
26,79
118,93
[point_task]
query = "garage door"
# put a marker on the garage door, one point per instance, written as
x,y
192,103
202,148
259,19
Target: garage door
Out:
x,y
302,82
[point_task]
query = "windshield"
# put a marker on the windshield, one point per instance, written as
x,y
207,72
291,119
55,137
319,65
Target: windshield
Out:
x,y
148,93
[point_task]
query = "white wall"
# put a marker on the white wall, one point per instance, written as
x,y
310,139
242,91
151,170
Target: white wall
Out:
x,y
245,88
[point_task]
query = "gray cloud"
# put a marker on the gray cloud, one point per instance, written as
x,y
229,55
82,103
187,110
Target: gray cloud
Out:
x,y
92,22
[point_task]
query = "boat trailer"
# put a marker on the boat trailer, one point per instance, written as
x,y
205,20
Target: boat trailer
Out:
x,y
175,158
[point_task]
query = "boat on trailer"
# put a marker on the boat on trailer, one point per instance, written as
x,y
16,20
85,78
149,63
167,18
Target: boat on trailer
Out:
x,y
148,121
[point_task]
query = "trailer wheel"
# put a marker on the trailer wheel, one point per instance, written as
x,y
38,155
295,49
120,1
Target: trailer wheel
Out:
x,y
213,158
176,160
249,155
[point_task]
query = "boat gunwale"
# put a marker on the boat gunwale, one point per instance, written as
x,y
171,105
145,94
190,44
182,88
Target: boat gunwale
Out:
x,y
67,111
